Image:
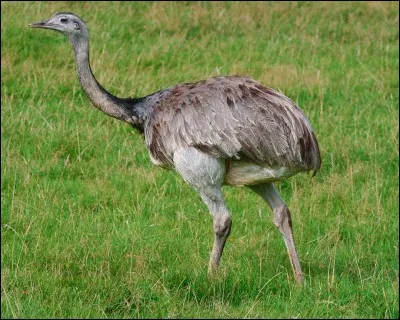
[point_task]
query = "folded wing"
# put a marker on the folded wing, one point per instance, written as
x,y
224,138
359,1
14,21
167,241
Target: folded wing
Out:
x,y
232,118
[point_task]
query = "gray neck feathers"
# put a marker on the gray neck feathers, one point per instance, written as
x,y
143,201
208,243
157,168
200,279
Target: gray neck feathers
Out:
x,y
101,99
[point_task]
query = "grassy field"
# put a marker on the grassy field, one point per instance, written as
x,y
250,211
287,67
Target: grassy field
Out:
x,y
90,228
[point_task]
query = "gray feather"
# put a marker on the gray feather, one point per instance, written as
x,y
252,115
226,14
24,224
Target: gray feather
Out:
x,y
232,118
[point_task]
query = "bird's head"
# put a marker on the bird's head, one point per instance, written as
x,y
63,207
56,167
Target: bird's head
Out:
x,y
67,23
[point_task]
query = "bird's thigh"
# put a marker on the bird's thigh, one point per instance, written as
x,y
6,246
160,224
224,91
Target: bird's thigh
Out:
x,y
199,169
206,175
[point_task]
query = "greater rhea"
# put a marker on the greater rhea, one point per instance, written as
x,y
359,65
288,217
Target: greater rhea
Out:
x,y
223,130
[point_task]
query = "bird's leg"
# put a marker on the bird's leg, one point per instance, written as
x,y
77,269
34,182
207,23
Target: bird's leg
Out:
x,y
222,227
205,174
283,221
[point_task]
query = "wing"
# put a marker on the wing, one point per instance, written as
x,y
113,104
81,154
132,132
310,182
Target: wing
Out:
x,y
232,118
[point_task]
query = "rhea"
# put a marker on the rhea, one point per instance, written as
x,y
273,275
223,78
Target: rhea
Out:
x,y
226,130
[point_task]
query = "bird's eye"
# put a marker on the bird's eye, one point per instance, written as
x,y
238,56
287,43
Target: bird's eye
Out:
x,y
64,20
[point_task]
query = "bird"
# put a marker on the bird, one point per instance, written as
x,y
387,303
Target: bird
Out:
x,y
224,130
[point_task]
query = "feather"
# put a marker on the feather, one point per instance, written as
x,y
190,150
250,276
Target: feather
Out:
x,y
233,118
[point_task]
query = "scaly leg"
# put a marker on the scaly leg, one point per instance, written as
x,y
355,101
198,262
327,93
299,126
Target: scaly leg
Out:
x,y
283,221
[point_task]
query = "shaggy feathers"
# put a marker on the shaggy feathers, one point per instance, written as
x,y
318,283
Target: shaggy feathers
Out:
x,y
233,118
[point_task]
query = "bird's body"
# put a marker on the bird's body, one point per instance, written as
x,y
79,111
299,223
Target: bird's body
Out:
x,y
231,118
223,130
261,134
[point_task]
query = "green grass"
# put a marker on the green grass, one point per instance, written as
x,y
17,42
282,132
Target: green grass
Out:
x,y
90,228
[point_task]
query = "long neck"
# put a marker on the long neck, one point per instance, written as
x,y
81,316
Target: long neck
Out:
x,y
101,99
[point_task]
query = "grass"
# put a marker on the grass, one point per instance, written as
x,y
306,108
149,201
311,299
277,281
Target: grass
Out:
x,y
91,229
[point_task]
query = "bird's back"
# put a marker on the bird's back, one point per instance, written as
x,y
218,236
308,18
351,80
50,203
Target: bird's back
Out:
x,y
232,118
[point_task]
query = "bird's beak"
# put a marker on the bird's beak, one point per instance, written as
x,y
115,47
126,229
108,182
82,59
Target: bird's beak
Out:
x,y
43,24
